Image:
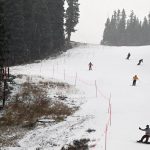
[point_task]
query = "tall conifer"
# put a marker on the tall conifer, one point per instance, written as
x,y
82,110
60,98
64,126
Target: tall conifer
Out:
x,y
72,17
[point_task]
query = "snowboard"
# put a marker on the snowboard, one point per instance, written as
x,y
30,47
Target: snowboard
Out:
x,y
143,142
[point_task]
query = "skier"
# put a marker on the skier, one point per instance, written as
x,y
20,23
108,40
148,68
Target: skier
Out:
x,y
90,66
128,56
135,78
147,134
140,61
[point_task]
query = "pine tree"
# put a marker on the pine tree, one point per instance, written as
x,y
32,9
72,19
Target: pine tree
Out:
x,y
15,27
145,33
106,34
113,29
130,29
41,29
56,16
137,32
28,27
72,17
3,54
122,28
148,28
118,16
2,37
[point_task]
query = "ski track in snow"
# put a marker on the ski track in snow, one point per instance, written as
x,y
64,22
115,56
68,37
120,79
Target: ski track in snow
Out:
x,y
112,74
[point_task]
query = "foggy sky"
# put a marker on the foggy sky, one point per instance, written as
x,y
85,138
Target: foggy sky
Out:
x,y
93,15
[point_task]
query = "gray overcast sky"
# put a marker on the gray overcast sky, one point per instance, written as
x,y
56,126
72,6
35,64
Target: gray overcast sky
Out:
x,y
93,15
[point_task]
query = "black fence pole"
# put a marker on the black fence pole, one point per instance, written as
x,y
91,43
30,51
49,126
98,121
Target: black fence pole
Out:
x,y
4,93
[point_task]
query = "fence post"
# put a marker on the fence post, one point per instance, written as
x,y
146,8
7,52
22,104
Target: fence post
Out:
x,y
64,74
40,67
53,71
106,137
110,113
57,65
64,58
96,87
75,79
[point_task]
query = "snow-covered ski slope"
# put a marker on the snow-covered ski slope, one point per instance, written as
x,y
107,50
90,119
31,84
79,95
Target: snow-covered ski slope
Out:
x,y
108,85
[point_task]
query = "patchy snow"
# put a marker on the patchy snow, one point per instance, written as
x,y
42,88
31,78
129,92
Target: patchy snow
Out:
x,y
115,105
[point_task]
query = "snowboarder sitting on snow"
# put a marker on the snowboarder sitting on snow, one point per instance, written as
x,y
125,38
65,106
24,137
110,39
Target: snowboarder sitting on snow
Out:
x,y
128,56
147,134
135,78
90,66
140,61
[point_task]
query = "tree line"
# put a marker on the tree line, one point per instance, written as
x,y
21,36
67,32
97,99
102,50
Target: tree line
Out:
x,y
32,30
35,29
122,31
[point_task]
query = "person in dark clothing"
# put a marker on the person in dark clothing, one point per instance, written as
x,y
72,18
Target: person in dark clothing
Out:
x,y
135,78
140,61
128,56
147,134
90,66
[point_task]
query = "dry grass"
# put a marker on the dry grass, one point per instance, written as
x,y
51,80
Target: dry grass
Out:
x,y
9,135
31,103
27,106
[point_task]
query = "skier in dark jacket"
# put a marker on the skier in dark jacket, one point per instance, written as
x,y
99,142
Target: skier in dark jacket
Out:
x,y
140,61
90,66
128,56
147,134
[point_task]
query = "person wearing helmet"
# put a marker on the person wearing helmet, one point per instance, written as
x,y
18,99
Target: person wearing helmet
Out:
x,y
135,78
147,134
128,56
90,66
140,61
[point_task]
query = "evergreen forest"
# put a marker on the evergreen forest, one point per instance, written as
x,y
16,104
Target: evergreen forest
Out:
x,y
121,30
35,29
